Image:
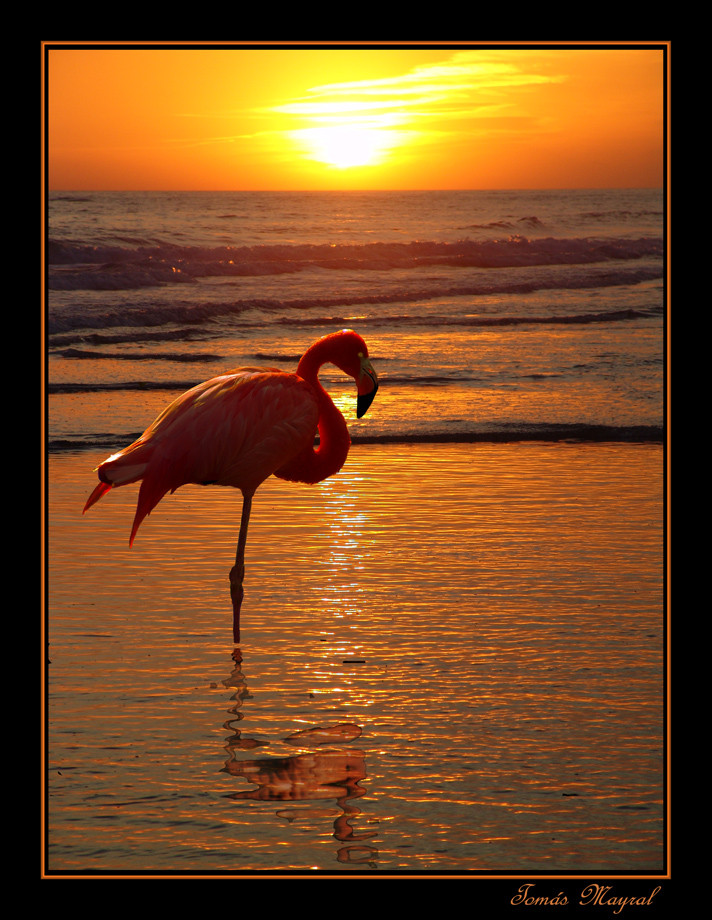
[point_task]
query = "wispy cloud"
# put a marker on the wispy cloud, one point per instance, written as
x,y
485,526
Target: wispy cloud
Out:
x,y
430,103
469,84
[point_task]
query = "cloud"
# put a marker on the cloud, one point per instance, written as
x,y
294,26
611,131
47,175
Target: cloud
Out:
x,y
469,85
465,72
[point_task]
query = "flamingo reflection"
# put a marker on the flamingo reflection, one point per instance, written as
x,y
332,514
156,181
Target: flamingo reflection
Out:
x,y
330,774
237,681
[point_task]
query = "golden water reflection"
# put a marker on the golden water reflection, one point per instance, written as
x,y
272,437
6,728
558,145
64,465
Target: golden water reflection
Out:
x,y
317,775
489,615
347,521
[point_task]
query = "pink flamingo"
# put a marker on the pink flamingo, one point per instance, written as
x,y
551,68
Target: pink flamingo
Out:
x,y
237,429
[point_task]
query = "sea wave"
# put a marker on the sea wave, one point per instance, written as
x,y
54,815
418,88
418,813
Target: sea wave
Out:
x,y
182,385
62,344
553,433
303,311
83,266
385,380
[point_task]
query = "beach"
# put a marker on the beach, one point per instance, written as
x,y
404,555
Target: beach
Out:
x,y
452,660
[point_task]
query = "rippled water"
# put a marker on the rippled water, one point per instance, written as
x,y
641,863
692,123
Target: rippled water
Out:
x,y
485,313
452,660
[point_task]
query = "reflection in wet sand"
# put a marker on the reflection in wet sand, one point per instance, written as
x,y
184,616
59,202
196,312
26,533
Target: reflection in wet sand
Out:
x,y
534,629
313,776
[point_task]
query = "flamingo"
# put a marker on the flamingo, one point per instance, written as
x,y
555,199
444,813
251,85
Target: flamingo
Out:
x,y
238,429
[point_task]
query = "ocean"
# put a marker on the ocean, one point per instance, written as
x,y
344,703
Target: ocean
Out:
x,y
453,652
495,314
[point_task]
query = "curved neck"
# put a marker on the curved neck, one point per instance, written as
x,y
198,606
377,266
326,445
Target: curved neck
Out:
x,y
312,361
314,465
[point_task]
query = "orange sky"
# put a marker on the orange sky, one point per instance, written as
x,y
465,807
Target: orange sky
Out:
x,y
296,118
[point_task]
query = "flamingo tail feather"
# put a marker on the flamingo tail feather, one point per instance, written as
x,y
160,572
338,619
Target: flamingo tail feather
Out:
x,y
101,489
149,495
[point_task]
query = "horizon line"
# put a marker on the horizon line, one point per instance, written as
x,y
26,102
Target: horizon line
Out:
x,y
281,191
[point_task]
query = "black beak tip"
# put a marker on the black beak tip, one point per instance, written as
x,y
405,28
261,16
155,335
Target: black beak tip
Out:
x,y
363,401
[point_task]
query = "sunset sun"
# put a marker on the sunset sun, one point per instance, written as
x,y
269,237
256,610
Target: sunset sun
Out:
x,y
344,146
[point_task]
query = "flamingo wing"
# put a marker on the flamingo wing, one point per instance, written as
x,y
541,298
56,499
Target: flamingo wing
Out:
x,y
233,430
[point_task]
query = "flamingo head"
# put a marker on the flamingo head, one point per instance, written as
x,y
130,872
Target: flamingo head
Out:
x,y
352,358
347,351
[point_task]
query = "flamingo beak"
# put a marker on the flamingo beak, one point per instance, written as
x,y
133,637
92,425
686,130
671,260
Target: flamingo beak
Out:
x,y
367,387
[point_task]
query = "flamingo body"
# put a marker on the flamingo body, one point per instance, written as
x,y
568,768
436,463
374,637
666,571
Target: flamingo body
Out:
x,y
234,430
240,428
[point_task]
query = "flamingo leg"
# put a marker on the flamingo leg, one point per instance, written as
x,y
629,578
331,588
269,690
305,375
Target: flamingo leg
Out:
x,y
237,572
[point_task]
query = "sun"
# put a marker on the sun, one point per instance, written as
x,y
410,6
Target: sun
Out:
x,y
346,145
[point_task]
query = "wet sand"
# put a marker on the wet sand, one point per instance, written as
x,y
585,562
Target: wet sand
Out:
x,y
451,660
